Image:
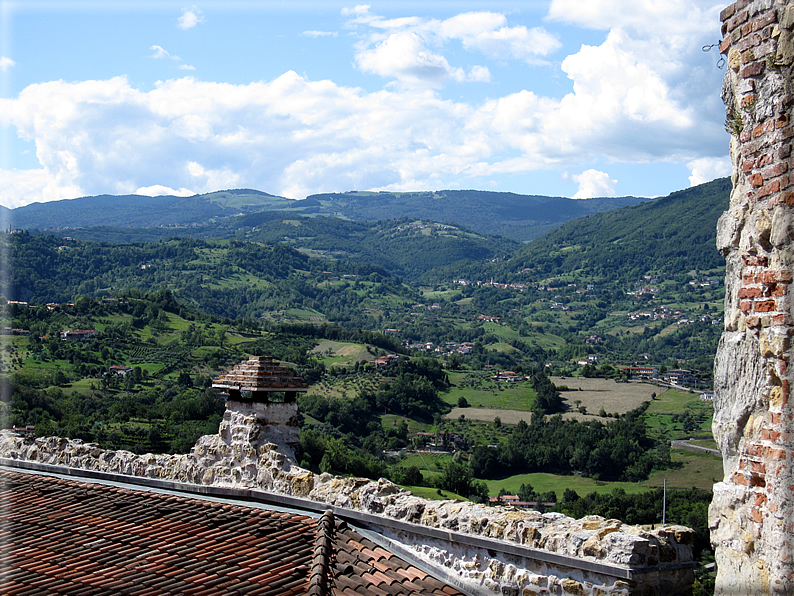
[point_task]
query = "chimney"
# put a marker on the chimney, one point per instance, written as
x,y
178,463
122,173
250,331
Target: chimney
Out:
x,y
261,406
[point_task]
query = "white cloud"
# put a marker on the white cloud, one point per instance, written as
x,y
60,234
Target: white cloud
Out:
x,y
593,183
405,57
190,18
401,48
160,52
158,190
707,169
487,33
637,97
6,63
186,67
319,33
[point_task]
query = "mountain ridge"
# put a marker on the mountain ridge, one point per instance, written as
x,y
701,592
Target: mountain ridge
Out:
x,y
518,217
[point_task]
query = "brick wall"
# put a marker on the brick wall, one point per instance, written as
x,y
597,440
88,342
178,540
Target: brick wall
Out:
x,y
751,515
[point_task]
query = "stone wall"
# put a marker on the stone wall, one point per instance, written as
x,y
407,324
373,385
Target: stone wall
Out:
x,y
244,455
751,515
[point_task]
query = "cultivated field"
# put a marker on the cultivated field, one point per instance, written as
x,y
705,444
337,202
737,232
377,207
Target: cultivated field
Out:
x,y
488,415
593,394
603,393
339,353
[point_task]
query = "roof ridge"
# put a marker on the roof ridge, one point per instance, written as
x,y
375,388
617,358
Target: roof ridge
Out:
x,y
321,562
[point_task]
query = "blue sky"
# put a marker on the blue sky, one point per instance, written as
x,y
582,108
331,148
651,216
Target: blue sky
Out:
x,y
560,97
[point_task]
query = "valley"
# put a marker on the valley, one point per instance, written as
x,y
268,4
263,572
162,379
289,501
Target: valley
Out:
x,y
443,358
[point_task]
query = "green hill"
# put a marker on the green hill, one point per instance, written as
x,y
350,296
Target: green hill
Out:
x,y
404,247
232,279
669,236
142,211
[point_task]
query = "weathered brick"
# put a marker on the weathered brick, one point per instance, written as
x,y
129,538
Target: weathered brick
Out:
x,y
725,45
784,276
764,306
788,198
758,130
767,190
747,166
756,180
766,277
756,515
750,293
747,28
739,479
757,481
727,12
757,467
737,20
745,306
777,291
752,70
755,260
775,170
774,453
766,19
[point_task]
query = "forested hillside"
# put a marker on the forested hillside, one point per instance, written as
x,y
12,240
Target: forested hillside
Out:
x,y
142,211
233,279
669,236
519,217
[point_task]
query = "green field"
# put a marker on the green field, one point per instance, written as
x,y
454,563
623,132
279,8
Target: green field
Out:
x,y
543,482
479,391
696,470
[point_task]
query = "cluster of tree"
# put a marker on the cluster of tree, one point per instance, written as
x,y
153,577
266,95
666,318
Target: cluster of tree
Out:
x,y
617,450
548,399
118,419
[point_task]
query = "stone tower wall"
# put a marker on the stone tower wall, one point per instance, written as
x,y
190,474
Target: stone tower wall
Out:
x,y
751,521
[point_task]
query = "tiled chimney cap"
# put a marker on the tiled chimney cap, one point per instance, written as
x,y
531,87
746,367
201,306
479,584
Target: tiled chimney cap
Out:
x,y
261,374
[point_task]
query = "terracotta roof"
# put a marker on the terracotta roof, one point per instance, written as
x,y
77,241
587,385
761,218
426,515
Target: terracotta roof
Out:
x,y
260,373
81,538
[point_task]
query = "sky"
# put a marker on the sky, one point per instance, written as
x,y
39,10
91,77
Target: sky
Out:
x,y
555,97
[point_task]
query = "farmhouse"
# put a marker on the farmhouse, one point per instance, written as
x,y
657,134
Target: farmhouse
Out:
x,y
679,376
641,372
78,334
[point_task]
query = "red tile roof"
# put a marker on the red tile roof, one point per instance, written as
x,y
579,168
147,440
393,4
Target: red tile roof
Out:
x,y
81,538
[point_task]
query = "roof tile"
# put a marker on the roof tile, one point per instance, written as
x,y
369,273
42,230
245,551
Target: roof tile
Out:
x,y
85,539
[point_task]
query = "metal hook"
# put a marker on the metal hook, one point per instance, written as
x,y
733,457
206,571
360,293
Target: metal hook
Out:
x,y
707,48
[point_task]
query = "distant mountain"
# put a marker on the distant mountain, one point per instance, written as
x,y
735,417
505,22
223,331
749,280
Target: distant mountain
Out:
x,y
669,236
142,211
514,216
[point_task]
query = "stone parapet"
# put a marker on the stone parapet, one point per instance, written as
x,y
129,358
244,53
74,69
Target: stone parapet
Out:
x,y
750,517
636,561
